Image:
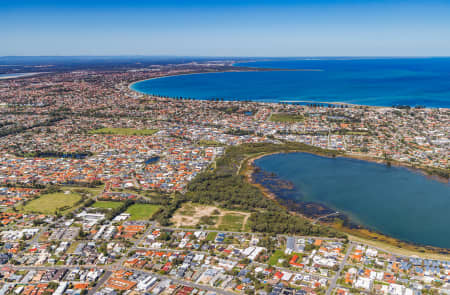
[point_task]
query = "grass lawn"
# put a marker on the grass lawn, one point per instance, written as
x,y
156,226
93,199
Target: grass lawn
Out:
x,y
210,143
188,209
94,191
107,204
231,222
208,220
124,131
72,247
142,211
211,236
286,118
48,204
247,227
278,254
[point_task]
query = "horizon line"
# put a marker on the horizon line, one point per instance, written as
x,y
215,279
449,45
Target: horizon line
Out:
x,y
231,56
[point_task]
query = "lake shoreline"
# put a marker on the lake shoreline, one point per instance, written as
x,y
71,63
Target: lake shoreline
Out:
x,y
363,232
352,227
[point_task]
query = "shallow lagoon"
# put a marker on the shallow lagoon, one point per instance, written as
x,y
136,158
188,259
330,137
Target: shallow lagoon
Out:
x,y
396,201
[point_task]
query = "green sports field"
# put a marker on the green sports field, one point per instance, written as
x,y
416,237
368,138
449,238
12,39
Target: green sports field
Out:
x,y
107,204
286,118
50,203
142,211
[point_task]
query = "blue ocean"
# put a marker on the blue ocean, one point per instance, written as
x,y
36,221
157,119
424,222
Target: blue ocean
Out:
x,y
371,81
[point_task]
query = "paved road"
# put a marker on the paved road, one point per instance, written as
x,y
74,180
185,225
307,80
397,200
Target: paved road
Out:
x,y
183,282
146,233
100,283
311,237
341,267
135,245
36,237
33,267
290,270
206,230
108,273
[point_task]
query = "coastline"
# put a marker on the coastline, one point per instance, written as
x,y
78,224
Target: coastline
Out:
x,y
247,170
359,233
255,69
237,70
130,86
20,75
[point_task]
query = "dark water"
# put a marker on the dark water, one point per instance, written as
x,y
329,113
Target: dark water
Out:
x,y
380,82
396,201
152,160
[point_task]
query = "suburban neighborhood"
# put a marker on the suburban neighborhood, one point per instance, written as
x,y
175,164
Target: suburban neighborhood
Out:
x,y
93,176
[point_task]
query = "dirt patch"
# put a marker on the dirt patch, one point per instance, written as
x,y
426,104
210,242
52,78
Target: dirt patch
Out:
x,y
189,215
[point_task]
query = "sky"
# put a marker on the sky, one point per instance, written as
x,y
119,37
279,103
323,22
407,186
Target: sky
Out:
x,y
225,28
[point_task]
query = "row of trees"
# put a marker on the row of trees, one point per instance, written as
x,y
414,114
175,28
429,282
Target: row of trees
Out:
x,y
280,222
167,209
228,191
19,129
226,188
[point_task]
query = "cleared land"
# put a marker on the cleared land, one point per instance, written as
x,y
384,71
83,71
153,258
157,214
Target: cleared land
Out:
x,y
231,222
191,215
50,203
286,118
142,211
124,131
93,191
107,204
